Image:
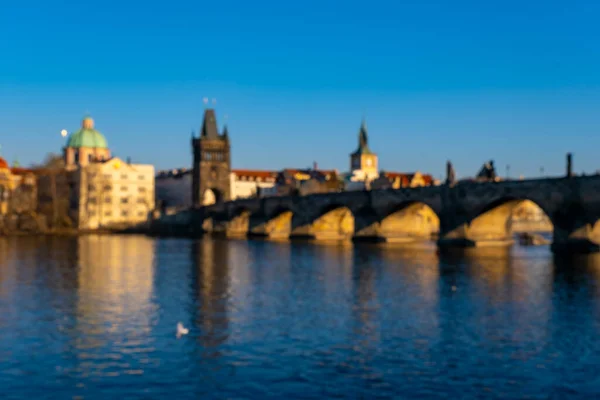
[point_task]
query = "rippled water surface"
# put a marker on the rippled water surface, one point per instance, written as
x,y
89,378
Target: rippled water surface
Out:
x,y
95,317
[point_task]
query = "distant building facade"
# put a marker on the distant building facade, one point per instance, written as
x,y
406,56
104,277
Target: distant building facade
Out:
x,y
112,193
397,180
105,191
302,182
246,183
18,189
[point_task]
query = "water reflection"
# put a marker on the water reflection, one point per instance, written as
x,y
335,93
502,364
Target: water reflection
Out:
x,y
211,264
114,305
95,316
574,326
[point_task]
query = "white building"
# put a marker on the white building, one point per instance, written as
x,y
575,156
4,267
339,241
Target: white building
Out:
x,y
249,183
174,187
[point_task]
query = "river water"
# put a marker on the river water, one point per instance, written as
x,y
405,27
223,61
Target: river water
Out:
x,y
94,317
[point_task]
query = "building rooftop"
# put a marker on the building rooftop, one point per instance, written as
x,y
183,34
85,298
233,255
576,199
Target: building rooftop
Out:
x,y
87,136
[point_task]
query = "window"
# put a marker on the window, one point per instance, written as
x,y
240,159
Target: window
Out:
x,y
107,214
108,200
141,200
141,214
142,189
124,176
91,187
124,213
107,176
124,200
123,188
92,213
107,187
141,177
92,200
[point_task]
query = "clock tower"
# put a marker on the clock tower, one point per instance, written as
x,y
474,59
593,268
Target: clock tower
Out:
x,y
363,162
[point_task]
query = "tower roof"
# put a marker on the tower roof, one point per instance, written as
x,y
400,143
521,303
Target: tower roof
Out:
x,y
87,136
363,139
209,125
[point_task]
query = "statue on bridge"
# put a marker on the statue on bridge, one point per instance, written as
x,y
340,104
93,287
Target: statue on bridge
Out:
x,y
450,174
487,173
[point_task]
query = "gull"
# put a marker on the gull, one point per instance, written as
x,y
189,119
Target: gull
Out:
x,y
181,330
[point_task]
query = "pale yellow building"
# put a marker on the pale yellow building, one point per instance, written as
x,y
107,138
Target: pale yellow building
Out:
x,y
105,192
17,189
112,193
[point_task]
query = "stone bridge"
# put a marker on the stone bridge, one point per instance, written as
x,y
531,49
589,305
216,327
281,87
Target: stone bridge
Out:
x,y
466,214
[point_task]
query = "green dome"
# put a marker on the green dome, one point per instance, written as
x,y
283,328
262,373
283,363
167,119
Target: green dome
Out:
x,y
87,136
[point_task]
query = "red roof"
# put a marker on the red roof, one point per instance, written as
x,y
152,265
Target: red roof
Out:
x,y
37,171
3,163
22,171
253,173
305,171
428,179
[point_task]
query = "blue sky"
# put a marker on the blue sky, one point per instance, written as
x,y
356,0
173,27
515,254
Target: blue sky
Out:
x,y
513,81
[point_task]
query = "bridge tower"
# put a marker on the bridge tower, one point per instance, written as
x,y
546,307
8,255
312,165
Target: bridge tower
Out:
x,y
211,167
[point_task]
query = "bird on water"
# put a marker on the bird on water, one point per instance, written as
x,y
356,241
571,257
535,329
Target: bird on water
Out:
x,y
181,330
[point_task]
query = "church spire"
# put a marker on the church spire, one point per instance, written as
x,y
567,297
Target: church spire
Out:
x,y
363,139
209,125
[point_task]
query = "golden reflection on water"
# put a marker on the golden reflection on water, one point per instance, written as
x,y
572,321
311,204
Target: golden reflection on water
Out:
x,y
7,269
115,286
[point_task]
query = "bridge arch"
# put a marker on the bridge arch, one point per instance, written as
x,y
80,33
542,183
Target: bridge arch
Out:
x,y
409,221
501,218
211,196
275,225
333,222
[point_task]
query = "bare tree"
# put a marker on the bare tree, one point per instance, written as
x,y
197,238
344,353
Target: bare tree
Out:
x,y
53,188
